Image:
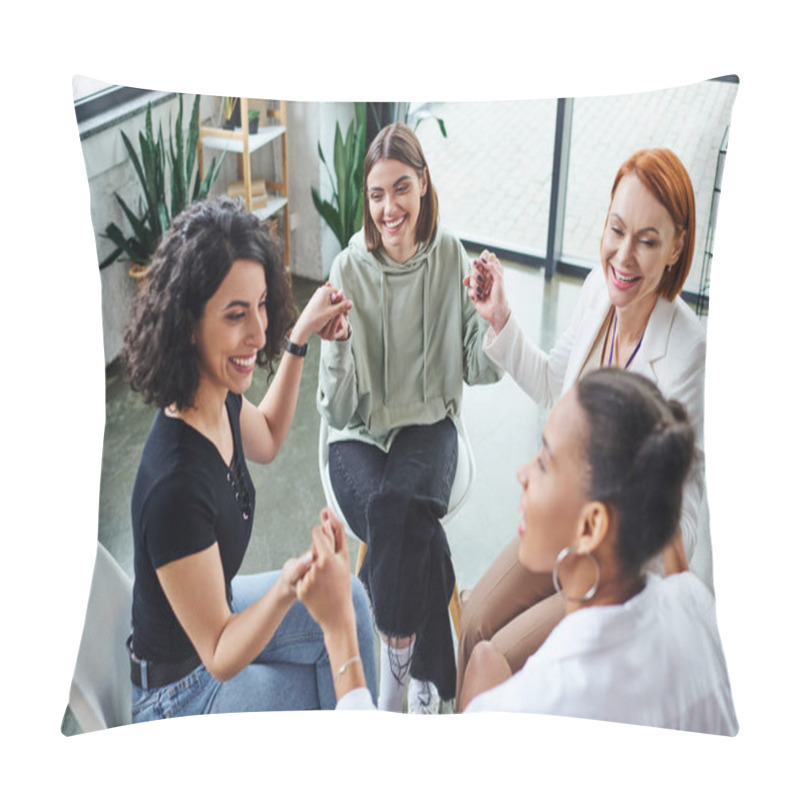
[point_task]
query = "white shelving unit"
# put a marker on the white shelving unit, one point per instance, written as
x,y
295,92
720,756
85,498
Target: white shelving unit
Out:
x,y
244,144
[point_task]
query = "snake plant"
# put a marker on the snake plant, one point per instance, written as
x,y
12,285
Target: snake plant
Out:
x,y
156,167
344,212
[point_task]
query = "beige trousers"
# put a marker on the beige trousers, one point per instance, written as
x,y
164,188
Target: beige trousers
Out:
x,y
512,607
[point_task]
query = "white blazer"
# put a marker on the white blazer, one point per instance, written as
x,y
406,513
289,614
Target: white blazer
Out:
x,y
672,354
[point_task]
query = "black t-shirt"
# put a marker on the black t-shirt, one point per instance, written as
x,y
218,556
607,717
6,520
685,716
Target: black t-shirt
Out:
x,y
185,498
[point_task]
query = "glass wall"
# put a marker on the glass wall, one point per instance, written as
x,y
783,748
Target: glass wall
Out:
x,y
492,172
690,120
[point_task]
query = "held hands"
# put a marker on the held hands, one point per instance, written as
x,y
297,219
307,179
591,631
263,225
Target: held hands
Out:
x,y
487,290
324,314
325,587
338,328
293,570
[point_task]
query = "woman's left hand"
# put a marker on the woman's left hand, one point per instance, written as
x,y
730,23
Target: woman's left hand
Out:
x,y
338,329
325,313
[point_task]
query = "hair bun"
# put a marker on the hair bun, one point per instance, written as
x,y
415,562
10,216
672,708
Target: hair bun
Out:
x,y
655,489
640,449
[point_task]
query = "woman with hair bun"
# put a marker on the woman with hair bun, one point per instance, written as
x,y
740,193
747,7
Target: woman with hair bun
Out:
x,y
629,315
601,498
206,640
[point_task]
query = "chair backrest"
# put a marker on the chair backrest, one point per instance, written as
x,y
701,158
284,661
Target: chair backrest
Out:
x,y
465,473
100,694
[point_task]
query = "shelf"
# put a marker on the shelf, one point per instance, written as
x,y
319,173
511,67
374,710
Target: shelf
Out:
x,y
273,206
227,142
244,144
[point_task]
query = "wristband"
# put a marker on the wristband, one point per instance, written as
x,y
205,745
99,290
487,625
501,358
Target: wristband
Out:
x,y
344,667
298,350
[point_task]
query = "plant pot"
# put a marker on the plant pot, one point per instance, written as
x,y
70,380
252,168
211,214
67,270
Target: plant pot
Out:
x,y
252,124
235,119
139,273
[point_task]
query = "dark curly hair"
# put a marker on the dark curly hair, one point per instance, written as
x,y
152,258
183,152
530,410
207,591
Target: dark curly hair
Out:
x,y
640,449
188,267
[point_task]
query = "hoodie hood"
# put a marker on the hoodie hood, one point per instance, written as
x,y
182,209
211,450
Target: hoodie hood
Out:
x,y
378,259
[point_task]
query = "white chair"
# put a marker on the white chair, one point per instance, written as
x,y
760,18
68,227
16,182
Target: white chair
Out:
x,y
100,694
465,475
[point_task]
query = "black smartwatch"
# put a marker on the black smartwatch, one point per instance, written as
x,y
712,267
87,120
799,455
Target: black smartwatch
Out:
x,y
298,350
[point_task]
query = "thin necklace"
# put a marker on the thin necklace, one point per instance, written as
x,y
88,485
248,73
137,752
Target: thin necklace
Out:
x,y
613,339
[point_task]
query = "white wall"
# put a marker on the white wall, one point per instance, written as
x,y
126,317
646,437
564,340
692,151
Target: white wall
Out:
x,y
313,246
108,170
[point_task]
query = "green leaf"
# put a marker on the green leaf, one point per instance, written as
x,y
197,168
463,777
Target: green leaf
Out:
x,y
330,216
344,212
142,232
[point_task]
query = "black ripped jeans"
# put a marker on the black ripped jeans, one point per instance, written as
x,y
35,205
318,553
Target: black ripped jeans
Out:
x,y
393,501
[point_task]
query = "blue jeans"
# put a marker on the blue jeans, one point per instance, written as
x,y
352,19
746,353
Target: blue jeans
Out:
x,y
292,673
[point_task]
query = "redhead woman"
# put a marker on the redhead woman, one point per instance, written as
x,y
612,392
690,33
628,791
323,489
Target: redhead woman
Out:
x,y
390,387
629,315
206,640
599,500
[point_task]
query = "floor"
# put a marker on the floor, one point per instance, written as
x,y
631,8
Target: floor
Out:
x,y
502,423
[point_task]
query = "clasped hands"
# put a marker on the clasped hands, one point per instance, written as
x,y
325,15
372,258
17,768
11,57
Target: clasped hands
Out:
x,y
486,290
320,578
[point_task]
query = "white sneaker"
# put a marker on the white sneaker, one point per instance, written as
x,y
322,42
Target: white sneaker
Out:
x,y
423,697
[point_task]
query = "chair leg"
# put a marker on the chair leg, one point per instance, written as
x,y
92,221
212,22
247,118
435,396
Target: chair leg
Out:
x,y
362,552
455,609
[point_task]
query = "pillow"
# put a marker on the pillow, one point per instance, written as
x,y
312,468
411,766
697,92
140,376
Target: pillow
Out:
x,y
491,163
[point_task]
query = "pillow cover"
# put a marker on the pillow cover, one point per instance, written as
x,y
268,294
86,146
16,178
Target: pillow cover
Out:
x,y
493,166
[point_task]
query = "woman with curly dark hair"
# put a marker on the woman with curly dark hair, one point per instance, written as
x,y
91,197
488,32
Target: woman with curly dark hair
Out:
x,y
205,640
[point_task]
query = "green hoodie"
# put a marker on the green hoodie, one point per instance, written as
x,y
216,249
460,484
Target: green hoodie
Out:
x,y
415,337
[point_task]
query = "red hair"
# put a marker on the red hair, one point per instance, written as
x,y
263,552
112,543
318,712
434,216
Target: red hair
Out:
x,y
665,176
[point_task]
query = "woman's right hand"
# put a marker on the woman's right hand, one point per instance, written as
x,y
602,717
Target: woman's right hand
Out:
x,y
486,289
325,588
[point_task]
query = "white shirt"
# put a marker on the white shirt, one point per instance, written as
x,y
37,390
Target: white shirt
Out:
x,y
655,660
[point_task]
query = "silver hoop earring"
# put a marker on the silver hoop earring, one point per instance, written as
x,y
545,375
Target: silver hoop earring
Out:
x,y
557,583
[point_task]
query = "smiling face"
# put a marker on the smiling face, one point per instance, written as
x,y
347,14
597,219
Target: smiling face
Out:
x,y
395,192
639,242
554,487
232,330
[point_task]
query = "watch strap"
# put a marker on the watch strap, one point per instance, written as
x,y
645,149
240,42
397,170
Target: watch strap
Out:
x,y
298,350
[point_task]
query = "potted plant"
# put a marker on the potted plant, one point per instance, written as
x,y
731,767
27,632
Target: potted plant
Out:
x,y
157,167
231,112
386,113
252,120
344,212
